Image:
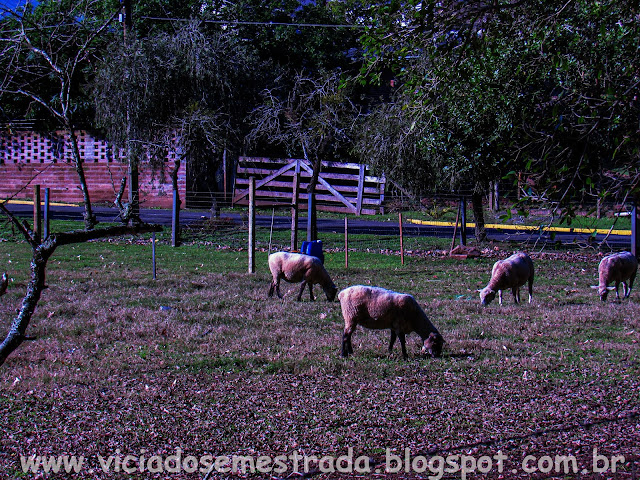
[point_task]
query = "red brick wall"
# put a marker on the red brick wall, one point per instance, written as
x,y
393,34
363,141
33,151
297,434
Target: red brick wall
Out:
x,y
32,158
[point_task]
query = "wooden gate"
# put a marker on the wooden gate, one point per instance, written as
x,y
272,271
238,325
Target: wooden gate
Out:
x,y
342,187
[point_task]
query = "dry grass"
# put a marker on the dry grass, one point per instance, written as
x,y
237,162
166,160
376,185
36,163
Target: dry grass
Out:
x,y
225,371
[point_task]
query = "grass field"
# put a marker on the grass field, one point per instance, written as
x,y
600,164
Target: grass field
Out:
x,y
201,361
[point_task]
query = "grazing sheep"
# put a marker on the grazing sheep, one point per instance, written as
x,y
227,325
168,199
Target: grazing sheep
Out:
x,y
512,273
297,267
618,267
377,308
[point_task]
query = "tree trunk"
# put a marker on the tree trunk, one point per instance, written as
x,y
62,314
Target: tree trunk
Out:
x,y
89,218
478,215
41,254
17,332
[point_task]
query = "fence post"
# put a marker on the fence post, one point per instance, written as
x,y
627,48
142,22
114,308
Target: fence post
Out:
x,y
273,214
360,190
346,243
401,239
153,253
46,212
294,207
252,224
310,200
175,220
634,228
224,176
463,220
37,214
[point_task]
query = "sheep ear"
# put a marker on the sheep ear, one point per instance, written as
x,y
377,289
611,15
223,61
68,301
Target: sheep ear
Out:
x,y
479,290
595,287
611,288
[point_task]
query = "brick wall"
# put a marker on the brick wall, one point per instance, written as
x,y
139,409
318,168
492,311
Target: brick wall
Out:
x,y
28,158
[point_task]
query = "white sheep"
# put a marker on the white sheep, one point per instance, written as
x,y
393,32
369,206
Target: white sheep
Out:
x,y
512,273
378,308
616,268
297,267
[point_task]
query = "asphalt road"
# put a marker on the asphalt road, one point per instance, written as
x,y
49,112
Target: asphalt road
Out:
x,y
356,226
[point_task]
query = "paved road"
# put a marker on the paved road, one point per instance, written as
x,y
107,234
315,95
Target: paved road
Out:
x,y
356,226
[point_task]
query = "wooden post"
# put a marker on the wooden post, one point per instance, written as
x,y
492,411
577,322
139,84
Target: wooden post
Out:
x,y
175,220
360,190
252,224
46,231
463,221
401,239
346,243
37,213
224,176
382,184
153,253
634,228
273,214
310,200
455,230
294,207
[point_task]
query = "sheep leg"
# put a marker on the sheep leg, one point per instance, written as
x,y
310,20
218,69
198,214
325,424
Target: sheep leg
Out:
x,y
500,297
403,344
310,291
530,288
304,284
346,344
630,286
272,287
617,294
516,294
392,341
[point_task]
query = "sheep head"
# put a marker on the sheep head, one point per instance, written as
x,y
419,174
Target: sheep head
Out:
x,y
603,291
487,295
331,292
433,345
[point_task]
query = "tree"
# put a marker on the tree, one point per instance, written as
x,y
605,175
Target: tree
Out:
x,y
313,118
500,87
296,36
49,52
196,82
585,118
45,53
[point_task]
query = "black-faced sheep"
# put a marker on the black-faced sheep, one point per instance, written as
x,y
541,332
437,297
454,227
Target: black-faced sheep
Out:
x,y
377,308
297,267
616,268
512,273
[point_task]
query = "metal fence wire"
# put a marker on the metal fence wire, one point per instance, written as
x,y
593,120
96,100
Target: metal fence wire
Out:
x,y
425,226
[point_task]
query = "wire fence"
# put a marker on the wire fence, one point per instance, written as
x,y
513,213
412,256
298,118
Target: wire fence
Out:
x,y
408,226
430,225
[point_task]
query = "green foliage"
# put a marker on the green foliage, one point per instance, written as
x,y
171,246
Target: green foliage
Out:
x,y
286,42
488,90
188,79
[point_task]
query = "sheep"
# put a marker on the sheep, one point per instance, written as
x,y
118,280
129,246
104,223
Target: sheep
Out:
x,y
377,308
617,267
296,267
512,273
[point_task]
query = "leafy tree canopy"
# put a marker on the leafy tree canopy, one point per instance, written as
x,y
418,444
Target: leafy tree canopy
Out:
x,y
490,88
